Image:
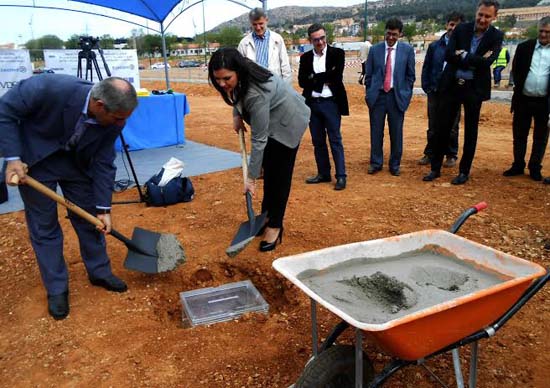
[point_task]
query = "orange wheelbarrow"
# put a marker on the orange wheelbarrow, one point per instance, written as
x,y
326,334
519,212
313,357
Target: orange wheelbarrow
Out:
x,y
440,292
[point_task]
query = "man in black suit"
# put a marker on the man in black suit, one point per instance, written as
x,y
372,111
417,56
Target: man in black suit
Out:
x,y
466,81
531,100
320,75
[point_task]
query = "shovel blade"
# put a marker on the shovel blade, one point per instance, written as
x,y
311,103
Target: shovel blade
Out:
x,y
146,241
246,233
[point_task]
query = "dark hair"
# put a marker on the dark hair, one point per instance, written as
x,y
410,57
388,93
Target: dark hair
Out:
x,y
394,24
544,21
489,3
247,71
117,94
256,14
455,17
314,28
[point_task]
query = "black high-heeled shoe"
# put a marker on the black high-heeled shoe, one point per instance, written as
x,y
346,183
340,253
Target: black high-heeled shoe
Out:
x,y
269,246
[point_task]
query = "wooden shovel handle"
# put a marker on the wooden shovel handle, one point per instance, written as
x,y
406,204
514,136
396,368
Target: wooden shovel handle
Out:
x,y
59,199
244,160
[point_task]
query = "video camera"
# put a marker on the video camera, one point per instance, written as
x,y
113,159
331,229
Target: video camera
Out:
x,y
87,43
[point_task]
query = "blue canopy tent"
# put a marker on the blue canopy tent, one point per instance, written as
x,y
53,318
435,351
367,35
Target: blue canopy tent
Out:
x,y
155,10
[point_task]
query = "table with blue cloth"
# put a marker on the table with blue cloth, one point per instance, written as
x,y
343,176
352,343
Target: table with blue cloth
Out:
x,y
158,121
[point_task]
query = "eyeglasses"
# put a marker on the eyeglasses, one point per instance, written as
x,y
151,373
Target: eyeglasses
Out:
x,y
319,39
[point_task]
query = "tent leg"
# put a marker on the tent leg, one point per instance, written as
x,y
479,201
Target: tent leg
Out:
x,y
163,37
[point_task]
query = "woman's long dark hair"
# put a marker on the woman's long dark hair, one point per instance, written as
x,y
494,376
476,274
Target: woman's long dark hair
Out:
x,y
247,71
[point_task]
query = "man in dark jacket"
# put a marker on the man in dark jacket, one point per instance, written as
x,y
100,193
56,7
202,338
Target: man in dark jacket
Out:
x,y
63,130
531,101
434,64
320,75
466,81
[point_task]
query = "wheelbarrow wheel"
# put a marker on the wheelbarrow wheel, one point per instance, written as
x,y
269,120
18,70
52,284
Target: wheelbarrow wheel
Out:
x,y
334,368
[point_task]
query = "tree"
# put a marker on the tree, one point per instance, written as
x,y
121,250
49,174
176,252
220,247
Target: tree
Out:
x,y
409,31
35,46
329,30
532,31
229,36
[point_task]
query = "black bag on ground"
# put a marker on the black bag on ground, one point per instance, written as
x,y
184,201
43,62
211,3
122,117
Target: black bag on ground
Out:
x,y
178,189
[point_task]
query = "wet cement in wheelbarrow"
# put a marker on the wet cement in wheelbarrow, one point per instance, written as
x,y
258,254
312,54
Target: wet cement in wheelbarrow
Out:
x,y
379,290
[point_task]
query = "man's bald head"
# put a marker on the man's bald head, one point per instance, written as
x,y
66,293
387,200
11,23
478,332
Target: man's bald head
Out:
x,y
117,94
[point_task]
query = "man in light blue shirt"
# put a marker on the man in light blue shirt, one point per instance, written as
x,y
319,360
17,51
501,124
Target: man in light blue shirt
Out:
x,y
531,101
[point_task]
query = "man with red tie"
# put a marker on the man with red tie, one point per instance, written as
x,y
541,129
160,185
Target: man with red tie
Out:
x,y
389,80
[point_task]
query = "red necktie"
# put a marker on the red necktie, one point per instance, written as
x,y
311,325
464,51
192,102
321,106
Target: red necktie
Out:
x,y
387,76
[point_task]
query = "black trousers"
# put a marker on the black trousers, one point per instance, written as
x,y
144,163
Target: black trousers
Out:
x,y
278,167
527,110
433,106
451,100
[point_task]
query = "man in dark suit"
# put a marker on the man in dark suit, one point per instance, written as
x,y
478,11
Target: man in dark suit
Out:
x,y
466,81
432,69
389,80
531,100
320,75
63,130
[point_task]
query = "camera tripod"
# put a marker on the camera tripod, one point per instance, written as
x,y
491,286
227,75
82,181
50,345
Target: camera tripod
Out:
x,y
91,60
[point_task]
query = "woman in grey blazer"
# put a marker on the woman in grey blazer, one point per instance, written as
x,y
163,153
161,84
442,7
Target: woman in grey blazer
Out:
x,y
278,118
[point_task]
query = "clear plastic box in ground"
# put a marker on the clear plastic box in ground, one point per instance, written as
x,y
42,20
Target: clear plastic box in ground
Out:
x,y
218,304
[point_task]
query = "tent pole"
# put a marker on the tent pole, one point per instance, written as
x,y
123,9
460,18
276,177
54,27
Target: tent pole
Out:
x,y
164,55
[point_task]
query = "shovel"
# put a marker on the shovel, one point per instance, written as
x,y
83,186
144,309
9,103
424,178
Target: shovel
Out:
x,y
148,251
249,229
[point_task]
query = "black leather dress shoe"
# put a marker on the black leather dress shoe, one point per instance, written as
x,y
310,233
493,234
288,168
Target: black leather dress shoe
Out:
x,y
513,171
431,176
373,170
318,179
58,305
460,179
340,184
395,172
110,283
535,175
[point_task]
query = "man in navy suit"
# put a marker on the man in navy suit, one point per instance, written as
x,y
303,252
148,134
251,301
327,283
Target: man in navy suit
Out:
x,y
466,81
320,74
63,130
389,80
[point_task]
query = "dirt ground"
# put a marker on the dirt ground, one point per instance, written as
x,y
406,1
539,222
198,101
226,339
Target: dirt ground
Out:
x,y
136,338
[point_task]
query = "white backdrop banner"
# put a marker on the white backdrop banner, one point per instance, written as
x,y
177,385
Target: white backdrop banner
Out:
x,y
122,63
15,65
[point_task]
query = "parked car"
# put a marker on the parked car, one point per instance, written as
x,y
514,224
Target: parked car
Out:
x,y
159,65
141,67
42,70
189,63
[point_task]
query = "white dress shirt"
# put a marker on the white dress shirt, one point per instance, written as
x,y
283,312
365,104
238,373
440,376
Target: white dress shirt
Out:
x,y
393,52
536,84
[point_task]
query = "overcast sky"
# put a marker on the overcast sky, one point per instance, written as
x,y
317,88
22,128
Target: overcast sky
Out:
x,y
21,24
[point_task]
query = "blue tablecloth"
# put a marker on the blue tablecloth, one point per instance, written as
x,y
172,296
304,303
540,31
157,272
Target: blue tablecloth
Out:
x,y
158,121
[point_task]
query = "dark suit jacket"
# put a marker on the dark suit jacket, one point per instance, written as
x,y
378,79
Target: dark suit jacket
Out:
x,y
403,74
520,67
461,39
333,76
37,118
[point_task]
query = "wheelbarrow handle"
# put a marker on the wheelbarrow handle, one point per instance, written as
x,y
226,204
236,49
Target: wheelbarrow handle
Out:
x,y
467,213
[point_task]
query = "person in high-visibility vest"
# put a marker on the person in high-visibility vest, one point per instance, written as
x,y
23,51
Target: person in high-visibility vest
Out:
x,y
500,64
